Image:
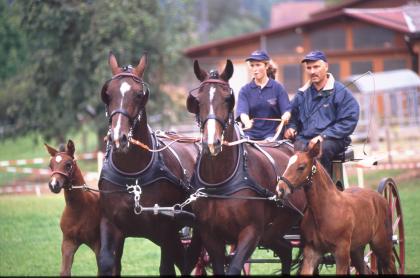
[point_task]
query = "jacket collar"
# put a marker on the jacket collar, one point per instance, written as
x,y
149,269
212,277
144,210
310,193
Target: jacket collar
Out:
x,y
328,87
269,83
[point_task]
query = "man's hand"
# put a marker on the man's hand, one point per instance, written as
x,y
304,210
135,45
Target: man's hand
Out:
x,y
286,117
290,133
315,140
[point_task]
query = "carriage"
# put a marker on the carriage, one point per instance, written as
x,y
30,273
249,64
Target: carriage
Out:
x,y
148,176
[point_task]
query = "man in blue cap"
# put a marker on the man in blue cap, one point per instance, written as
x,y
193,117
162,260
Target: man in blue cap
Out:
x,y
322,110
263,100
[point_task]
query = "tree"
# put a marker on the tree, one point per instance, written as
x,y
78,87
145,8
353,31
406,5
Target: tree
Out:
x,y
69,42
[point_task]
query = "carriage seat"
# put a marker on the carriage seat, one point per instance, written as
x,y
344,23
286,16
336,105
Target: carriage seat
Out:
x,y
347,155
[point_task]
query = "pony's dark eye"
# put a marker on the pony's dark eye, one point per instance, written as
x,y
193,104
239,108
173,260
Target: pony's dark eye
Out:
x,y
69,166
301,167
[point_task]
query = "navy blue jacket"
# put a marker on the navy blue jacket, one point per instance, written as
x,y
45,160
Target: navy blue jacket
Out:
x,y
270,102
332,113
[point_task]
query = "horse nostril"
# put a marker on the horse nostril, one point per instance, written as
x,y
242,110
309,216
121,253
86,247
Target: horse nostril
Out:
x,y
124,139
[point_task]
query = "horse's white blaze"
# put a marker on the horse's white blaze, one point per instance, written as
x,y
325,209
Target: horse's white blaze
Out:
x,y
211,124
292,160
53,182
125,87
58,158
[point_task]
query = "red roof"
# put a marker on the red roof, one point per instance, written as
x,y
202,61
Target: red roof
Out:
x,y
404,19
281,15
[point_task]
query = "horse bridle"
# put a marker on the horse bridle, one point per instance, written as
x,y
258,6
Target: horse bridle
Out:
x,y
222,123
305,184
133,120
68,174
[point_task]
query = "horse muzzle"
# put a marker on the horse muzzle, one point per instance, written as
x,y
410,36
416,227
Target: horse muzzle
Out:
x,y
55,186
212,149
282,190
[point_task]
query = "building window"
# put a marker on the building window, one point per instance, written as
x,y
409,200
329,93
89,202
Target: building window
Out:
x,y
394,64
372,37
292,77
329,39
335,70
360,67
284,44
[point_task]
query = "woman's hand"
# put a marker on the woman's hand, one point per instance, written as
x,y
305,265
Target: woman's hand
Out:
x,y
246,121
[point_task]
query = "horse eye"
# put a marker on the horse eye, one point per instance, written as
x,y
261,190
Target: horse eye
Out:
x,y
301,167
69,166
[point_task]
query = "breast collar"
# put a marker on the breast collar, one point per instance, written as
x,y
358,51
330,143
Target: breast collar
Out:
x,y
154,171
240,178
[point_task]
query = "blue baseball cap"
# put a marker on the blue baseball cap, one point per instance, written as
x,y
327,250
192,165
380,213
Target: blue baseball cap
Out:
x,y
315,56
258,55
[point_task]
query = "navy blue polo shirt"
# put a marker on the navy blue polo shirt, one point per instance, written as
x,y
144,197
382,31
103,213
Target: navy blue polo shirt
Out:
x,y
270,102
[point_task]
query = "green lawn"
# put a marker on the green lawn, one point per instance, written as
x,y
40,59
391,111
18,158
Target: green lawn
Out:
x,y
30,239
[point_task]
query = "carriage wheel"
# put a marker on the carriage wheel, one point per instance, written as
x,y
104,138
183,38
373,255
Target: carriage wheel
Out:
x,y
388,188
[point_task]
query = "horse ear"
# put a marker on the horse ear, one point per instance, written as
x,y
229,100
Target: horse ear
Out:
x,y
228,71
70,148
139,70
199,73
50,150
315,150
112,61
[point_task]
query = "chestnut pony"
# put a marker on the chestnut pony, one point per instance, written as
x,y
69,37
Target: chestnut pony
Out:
x,y
237,180
135,177
341,223
81,216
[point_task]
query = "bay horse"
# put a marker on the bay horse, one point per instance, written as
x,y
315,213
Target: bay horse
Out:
x,y
237,180
341,223
134,177
81,216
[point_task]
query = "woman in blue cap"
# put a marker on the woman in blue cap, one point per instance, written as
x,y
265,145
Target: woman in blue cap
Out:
x,y
262,99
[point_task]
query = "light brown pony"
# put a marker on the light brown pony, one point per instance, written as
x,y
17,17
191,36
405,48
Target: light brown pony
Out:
x,y
81,216
342,223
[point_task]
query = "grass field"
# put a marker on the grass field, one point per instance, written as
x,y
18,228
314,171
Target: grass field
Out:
x,y
30,236
30,239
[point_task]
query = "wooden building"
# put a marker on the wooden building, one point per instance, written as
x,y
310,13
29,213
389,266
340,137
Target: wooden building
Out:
x,y
357,36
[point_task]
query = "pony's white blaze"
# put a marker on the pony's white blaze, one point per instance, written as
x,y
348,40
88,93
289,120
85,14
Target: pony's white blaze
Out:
x,y
58,158
125,87
53,182
292,160
211,124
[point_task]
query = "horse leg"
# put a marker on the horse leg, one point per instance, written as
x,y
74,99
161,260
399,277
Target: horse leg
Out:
x,y
193,252
383,252
68,249
112,243
171,252
311,259
96,248
358,259
247,242
216,250
342,258
284,251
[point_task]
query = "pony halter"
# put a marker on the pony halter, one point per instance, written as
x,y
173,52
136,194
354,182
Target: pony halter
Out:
x,y
305,184
67,174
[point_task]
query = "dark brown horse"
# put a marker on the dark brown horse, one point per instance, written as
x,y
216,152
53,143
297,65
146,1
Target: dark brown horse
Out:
x,y
338,222
152,177
237,180
81,216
